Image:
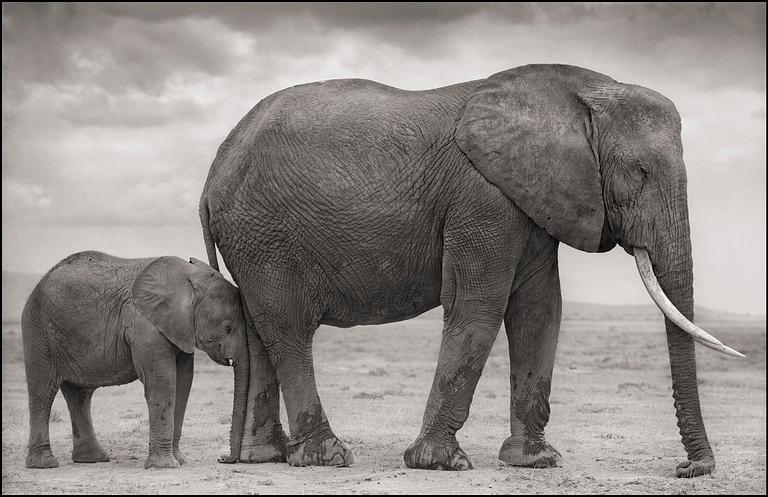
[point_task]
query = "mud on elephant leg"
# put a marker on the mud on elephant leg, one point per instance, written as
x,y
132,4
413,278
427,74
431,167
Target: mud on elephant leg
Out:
x,y
312,441
532,323
263,437
85,446
462,357
285,327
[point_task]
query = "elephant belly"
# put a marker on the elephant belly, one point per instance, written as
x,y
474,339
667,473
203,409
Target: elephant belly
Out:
x,y
90,356
384,302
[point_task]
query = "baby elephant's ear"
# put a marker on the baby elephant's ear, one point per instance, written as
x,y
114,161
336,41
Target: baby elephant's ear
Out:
x,y
164,295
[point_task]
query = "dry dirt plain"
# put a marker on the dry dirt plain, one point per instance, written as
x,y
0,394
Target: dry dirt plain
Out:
x,y
612,418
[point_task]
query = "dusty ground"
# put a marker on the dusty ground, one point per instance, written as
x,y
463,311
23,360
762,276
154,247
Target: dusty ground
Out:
x,y
612,419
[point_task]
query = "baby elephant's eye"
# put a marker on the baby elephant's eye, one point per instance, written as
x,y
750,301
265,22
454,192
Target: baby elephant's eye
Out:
x,y
227,326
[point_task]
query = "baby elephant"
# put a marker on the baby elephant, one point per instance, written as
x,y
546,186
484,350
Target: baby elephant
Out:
x,y
96,320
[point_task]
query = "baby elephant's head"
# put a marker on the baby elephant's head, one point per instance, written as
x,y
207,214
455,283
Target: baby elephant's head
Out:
x,y
219,319
193,305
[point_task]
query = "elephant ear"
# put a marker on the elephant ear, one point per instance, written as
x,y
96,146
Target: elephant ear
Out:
x,y
528,132
163,294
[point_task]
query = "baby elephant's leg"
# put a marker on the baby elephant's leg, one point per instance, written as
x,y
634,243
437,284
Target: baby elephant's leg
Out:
x,y
185,365
85,447
155,365
42,390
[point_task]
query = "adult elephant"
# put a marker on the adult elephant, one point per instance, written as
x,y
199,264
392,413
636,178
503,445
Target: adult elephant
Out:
x,y
349,202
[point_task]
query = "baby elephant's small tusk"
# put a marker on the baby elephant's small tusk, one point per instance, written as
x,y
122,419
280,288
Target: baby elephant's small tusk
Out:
x,y
231,362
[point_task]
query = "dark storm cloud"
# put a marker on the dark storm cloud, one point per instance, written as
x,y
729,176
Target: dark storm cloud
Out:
x,y
124,46
710,38
78,44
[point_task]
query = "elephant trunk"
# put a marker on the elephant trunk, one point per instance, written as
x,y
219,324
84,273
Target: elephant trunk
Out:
x,y
673,266
242,369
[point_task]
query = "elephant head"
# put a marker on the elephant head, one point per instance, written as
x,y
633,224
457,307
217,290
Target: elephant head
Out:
x,y
193,305
596,162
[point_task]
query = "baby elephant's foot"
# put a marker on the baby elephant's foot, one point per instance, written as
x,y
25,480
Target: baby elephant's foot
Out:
x,y
529,454
156,460
313,452
42,459
180,458
89,454
427,453
689,469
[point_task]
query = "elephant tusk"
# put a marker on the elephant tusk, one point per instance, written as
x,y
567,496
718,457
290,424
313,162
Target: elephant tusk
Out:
x,y
231,362
645,268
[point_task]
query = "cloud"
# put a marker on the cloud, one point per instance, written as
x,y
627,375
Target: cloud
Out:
x,y
96,107
18,196
112,113
64,44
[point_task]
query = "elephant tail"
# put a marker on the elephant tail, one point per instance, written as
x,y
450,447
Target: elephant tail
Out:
x,y
210,244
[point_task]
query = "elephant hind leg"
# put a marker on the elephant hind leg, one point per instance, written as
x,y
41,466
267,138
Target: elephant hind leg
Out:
x,y
285,320
85,447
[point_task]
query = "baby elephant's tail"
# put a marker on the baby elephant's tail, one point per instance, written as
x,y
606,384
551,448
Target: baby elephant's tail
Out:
x,y
210,244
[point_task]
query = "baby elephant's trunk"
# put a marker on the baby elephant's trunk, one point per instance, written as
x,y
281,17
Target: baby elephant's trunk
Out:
x,y
242,369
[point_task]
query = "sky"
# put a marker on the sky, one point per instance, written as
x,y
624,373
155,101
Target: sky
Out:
x,y
112,113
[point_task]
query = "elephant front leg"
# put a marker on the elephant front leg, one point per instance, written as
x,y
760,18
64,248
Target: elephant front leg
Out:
x,y
473,314
185,366
532,323
263,437
155,365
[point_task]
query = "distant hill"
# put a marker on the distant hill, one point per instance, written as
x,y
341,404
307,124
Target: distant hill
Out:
x,y
18,286
16,289
584,310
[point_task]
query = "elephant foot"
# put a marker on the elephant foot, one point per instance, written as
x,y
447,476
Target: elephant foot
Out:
x,y
271,448
426,453
262,453
529,454
89,454
689,469
42,460
155,460
313,452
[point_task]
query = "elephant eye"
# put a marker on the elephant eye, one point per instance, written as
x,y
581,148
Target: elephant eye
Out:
x,y
227,326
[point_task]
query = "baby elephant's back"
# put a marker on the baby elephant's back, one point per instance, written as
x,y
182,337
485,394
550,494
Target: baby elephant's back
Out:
x,y
85,290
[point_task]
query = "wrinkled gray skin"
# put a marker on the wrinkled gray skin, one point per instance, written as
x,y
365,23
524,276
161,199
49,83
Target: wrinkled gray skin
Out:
x,y
348,202
96,320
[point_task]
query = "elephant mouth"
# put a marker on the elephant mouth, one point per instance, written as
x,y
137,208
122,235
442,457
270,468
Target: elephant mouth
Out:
x,y
645,268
